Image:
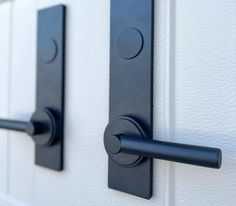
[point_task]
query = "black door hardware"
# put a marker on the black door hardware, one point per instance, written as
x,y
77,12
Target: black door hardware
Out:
x,y
41,127
128,136
136,143
46,124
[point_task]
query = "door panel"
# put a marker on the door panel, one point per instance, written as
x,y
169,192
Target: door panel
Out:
x,y
22,99
194,102
5,22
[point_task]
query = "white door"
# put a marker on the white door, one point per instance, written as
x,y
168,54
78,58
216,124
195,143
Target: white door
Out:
x,y
194,102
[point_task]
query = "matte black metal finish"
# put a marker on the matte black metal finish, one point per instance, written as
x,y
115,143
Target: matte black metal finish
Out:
x,y
131,57
128,136
13,125
50,80
127,144
183,153
46,124
41,127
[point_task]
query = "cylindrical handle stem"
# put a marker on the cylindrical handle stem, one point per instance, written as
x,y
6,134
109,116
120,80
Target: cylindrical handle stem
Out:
x,y
13,125
41,127
183,153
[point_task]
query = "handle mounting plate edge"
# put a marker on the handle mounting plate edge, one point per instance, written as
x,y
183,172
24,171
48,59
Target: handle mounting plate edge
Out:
x,y
131,85
50,80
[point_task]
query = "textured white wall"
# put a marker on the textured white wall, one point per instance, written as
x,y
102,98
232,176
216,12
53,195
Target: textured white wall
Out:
x,y
194,102
205,92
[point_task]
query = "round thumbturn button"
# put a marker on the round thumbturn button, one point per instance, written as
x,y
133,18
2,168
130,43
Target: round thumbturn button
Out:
x,y
48,50
129,43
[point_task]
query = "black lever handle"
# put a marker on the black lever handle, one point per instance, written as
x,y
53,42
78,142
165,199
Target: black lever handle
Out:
x,y
13,125
31,128
133,141
183,153
42,122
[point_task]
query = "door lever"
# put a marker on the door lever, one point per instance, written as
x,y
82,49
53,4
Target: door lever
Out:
x,y
145,147
41,127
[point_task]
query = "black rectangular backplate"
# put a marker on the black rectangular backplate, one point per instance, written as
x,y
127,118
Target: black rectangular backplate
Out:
x,y
50,79
131,84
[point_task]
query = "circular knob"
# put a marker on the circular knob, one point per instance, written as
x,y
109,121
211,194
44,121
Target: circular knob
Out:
x,y
33,128
117,127
42,127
